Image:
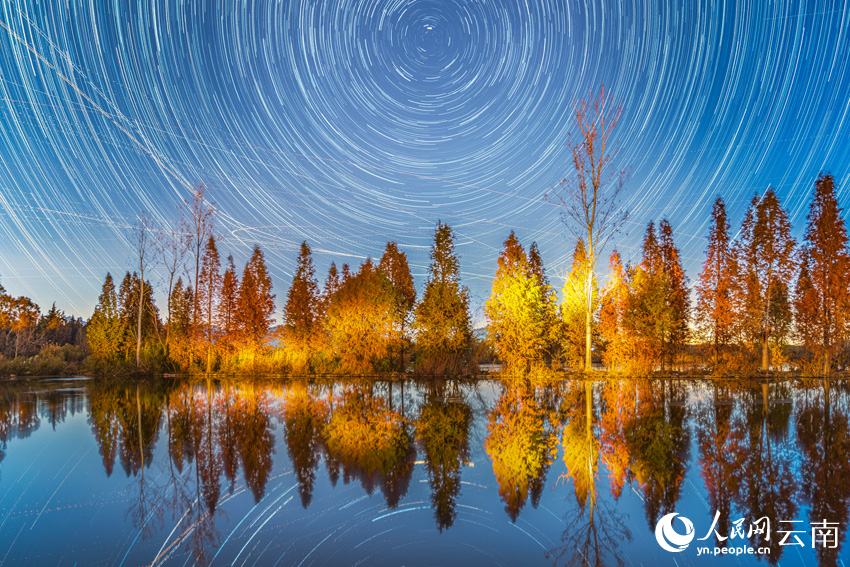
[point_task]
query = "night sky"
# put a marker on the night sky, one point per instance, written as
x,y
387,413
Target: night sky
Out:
x,y
350,123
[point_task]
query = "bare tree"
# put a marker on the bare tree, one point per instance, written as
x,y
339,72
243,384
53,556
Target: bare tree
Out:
x,y
143,247
590,200
172,247
200,222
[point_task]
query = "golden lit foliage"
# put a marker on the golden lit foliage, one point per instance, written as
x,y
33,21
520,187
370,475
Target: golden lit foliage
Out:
x,y
360,320
520,311
520,446
612,316
574,308
443,325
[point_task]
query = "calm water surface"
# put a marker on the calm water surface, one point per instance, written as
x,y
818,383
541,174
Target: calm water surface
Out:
x,y
301,473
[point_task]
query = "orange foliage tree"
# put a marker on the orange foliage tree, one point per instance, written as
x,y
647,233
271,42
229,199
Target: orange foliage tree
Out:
x,y
716,307
823,295
765,256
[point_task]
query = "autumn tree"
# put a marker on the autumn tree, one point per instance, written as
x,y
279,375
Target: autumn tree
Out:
x,y
359,320
255,306
104,328
550,300
208,297
443,324
181,304
394,266
301,314
716,287
574,308
824,296
765,256
650,316
678,299
134,332
612,315
517,310
589,201
227,305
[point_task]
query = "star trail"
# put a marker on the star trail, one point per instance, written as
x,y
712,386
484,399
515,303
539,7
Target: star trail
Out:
x,y
349,123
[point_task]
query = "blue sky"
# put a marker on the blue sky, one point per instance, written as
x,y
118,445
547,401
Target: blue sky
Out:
x,y
351,123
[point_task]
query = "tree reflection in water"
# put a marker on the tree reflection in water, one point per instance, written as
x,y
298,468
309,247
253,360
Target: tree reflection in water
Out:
x,y
521,442
592,536
777,450
443,431
305,417
371,442
824,436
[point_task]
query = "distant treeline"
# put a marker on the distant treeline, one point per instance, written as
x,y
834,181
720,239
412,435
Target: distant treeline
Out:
x,y
755,296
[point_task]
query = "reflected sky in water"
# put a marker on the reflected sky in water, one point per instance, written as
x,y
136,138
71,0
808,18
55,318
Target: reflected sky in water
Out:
x,y
297,473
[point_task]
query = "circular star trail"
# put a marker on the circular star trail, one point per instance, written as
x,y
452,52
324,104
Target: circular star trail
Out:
x,y
350,123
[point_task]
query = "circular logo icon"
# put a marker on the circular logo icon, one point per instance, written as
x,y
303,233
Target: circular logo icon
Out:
x,y
671,540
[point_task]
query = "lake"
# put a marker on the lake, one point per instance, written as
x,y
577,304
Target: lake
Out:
x,y
301,473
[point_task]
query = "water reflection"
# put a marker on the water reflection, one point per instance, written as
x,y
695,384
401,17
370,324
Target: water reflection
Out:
x,y
567,463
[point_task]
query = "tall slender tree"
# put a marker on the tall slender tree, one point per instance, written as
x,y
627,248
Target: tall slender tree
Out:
x,y
394,266
227,305
256,301
143,247
200,222
302,310
574,307
209,296
590,201
678,298
443,323
765,255
104,328
716,291
826,298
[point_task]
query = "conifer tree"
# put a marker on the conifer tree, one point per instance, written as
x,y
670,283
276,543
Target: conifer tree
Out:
x,y
255,306
550,300
209,296
128,301
716,288
765,256
517,311
331,286
443,324
182,304
394,267
359,320
302,310
679,301
824,298
104,328
613,313
229,298
650,316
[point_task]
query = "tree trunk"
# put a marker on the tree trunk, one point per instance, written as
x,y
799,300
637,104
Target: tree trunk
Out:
x,y
588,361
765,353
139,323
